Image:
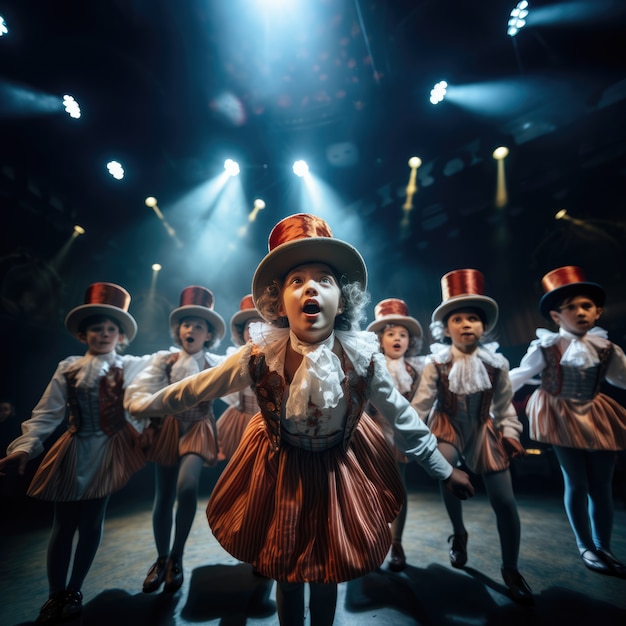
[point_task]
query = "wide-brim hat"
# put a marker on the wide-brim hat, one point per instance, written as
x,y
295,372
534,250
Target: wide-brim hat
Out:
x,y
104,299
247,311
305,238
394,311
197,301
565,282
462,289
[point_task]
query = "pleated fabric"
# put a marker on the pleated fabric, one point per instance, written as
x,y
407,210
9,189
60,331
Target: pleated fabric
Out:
x,y
303,516
175,439
118,458
230,428
597,424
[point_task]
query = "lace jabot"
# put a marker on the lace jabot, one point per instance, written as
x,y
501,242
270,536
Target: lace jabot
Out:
x,y
582,351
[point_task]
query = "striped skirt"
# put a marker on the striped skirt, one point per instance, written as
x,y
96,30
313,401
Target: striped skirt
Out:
x,y
303,516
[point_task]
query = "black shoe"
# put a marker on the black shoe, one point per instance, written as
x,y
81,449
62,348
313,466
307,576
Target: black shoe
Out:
x,y
155,576
458,551
518,587
617,567
72,605
50,612
173,576
397,560
593,562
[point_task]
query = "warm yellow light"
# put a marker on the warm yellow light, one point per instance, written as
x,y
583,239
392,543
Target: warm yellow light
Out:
x,y
156,267
79,230
500,153
415,162
259,204
150,201
560,214
534,451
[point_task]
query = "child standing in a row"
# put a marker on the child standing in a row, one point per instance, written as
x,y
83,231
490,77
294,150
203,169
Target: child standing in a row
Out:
x,y
465,396
585,427
310,492
98,452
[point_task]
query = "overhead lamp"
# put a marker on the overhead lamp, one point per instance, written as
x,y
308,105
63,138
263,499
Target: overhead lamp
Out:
x,y
156,267
517,18
115,169
71,106
438,92
3,27
78,230
231,167
259,205
300,168
499,154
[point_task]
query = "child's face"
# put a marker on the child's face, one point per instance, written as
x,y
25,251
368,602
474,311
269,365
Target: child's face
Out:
x,y
576,315
193,332
102,337
311,300
395,341
465,328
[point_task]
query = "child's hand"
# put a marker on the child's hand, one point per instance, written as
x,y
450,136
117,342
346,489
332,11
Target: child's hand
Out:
x,y
21,458
459,484
513,447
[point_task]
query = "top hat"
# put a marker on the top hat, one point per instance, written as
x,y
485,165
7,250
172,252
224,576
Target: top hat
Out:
x,y
395,312
198,301
247,311
461,289
304,238
565,282
104,299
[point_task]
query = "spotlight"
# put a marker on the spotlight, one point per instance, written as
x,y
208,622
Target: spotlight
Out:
x,y
78,230
438,92
156,267
517,18
259,205
499,154
3,27
151,201
231,167
561,215
115,169
71,106
300,168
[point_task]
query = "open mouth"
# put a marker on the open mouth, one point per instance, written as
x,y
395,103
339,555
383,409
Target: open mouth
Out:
x,y
189,339
311,308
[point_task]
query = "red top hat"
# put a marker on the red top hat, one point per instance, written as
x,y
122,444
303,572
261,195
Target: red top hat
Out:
x,y
465,288
395,312
304,238
566,282
196,301
104,299
238,321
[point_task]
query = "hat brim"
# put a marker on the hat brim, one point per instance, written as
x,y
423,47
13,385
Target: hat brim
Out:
x,y
76,316
549,300
410,323
239,320
343,258
213,319
487,305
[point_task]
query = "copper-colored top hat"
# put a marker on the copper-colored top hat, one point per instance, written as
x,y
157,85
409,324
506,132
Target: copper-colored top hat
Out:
x,y
305,238
565,282
197,301
247,311
465,288
104,299
394,311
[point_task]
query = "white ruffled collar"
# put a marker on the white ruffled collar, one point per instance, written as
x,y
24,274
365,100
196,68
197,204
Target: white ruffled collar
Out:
x,y
402,380
582,351
91,367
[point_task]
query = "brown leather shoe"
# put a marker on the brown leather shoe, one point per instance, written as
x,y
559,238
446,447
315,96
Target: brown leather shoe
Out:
x,y
458,551
173,576
397,560
155,576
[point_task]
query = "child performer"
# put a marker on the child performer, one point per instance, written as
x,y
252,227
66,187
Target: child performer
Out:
x,y
310,492
466,396
400,338
98,452
233,421
184,441
586,428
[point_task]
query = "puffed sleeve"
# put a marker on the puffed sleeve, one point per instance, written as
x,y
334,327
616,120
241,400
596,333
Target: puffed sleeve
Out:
x,y
134,365
426,394
47,415
148,381
412,436
503,411
215,382
531,364
616,371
